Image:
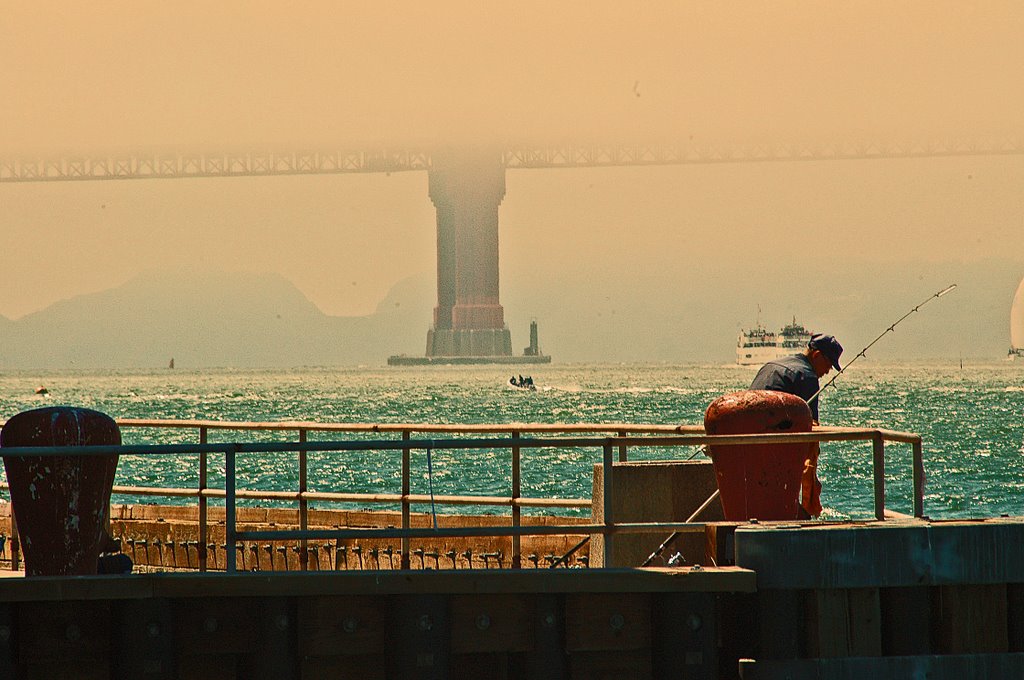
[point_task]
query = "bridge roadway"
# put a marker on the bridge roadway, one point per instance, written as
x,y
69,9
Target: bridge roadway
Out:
x,y
143,164
467,187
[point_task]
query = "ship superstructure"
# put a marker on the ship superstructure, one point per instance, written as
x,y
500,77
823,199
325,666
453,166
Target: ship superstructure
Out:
x,y
757,345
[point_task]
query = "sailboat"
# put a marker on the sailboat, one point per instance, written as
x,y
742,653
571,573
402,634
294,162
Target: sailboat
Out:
x,y
1017,324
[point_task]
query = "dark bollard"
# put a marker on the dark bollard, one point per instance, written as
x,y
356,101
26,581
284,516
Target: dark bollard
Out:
x,y
61,502
115,563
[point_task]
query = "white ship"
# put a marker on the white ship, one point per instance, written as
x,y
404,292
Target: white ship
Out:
x,y
1017,324
758,344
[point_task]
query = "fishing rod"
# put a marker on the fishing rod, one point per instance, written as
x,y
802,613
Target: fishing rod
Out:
x,y
863,352
888,330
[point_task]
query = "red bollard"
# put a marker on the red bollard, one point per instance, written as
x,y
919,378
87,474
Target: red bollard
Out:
x,y
759,481
61,502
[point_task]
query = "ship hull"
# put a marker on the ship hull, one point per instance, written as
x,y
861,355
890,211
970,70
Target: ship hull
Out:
x,y
756,356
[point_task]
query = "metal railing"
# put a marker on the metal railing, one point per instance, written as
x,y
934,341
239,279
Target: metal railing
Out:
x,y
622,438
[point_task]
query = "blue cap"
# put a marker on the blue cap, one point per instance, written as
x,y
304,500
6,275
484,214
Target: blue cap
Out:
x,y
829,346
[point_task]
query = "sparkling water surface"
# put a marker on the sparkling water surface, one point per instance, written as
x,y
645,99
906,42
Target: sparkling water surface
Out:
x,y
971,419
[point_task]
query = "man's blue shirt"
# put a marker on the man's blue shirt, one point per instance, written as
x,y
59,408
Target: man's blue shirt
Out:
x,y
793,374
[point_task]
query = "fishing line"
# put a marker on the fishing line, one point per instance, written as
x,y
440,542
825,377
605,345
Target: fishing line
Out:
x,y
430,482
888,330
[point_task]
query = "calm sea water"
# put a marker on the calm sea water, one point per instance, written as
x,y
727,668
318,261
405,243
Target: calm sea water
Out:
x,y
971,418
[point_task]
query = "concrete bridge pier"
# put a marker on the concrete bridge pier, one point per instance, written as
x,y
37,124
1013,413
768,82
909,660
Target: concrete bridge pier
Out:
x,y
469,321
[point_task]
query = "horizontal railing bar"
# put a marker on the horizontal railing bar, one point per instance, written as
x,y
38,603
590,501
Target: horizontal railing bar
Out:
x,y
822,435
397,445
411,427
906,437
352,497
470,532
276,447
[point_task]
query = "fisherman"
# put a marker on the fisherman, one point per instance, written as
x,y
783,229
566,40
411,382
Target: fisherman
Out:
x,y
798,374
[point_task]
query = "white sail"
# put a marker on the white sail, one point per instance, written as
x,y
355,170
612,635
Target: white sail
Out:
x,y
1017,319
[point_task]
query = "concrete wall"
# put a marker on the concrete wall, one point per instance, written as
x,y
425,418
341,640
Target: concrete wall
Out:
x,y
654,491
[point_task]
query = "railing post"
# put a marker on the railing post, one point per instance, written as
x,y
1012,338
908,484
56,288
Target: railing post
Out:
x,y
229,507
406,520
622,448
15,543
878,451
918,479
303,506
201,548
608,521
516,510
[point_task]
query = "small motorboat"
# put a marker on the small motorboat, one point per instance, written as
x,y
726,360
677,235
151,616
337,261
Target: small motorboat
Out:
x,y
519,382
41,391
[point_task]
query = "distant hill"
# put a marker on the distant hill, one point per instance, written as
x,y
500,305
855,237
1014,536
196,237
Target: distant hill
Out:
x,y
208,319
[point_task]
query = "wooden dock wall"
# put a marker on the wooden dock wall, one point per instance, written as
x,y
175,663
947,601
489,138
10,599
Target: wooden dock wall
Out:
x,y
584,624
895,599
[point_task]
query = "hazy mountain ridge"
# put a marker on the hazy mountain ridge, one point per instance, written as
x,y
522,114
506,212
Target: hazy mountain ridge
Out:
x,y
584,314
208,319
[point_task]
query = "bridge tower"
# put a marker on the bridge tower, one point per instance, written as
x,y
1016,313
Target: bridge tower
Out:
x,y
466,188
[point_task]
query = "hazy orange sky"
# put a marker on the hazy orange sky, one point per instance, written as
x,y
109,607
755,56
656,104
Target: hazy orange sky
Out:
x,y
209,76
121,74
